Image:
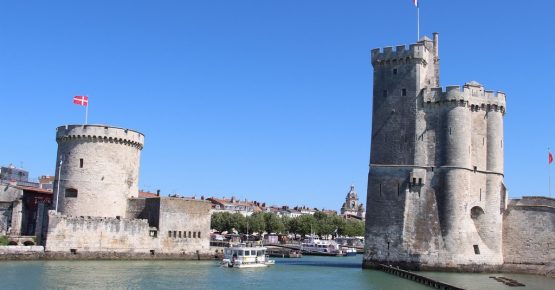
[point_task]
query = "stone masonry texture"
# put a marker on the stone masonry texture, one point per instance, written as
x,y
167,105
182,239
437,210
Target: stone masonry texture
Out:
x,y
99,170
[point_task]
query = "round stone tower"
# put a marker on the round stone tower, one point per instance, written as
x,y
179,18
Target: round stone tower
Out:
x,y
97,168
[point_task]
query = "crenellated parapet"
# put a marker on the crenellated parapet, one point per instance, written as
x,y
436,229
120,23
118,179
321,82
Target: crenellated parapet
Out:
x,y
400,55
471,95
101,134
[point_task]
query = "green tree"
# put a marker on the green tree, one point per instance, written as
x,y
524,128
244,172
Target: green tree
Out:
x,y
220,221
307,224
237,222
256,223
353,228
273,223
339,225
325,226
292,225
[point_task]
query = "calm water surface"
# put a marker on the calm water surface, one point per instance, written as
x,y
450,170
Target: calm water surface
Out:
x,y
304,273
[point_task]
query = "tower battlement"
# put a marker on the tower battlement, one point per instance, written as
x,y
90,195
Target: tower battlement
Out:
x,y
471,94
390,56
100,133
423,49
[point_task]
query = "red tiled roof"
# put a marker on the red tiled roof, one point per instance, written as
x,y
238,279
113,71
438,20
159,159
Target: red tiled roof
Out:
x,y
146,194
33,189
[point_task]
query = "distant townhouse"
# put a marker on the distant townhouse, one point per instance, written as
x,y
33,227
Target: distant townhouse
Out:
x,y
233,205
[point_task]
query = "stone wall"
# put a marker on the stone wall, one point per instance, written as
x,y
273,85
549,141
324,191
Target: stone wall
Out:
x,y
529,231
95,234
184,225
164,226
5,217
16,250
135,208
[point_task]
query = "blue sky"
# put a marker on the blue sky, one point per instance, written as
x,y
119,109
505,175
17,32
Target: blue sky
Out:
x,y
264,100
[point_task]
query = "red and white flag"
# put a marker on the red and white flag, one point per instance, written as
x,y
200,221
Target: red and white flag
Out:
x,y
550,158
415,3
81,100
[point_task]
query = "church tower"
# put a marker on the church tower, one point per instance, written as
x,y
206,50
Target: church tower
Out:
x,y
351,206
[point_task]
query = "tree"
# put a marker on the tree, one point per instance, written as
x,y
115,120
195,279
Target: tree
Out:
x,y
326,226
238,222
220,221
292,225
307,224
256,223
273,223
353,228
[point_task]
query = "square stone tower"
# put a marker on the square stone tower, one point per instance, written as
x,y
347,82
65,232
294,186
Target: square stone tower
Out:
x,y
435,187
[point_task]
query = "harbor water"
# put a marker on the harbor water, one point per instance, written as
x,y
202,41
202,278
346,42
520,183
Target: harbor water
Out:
x,y
304,273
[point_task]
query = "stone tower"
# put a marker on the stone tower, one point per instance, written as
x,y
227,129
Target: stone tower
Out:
x,y
99,170
435,187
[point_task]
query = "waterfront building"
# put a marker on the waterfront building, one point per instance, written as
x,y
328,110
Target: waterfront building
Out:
x,y
233,205
22,213
12,173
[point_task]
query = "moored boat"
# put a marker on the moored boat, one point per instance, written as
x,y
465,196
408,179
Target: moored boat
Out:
x,y
243,256
312,246
349,251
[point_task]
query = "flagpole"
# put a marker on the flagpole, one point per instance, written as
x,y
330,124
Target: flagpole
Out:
x,y
59,181
549,171
417,22
86,112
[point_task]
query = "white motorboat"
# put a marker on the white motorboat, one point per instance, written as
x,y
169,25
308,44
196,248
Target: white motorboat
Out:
x,y
312,246
243,256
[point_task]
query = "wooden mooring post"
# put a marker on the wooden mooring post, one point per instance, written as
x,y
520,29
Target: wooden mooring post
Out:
x,y
416,278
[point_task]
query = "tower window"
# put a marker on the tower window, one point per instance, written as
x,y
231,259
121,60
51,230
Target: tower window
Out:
x,y
81,163
71,192
380,189
385,93
476,250
394,71
404,92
